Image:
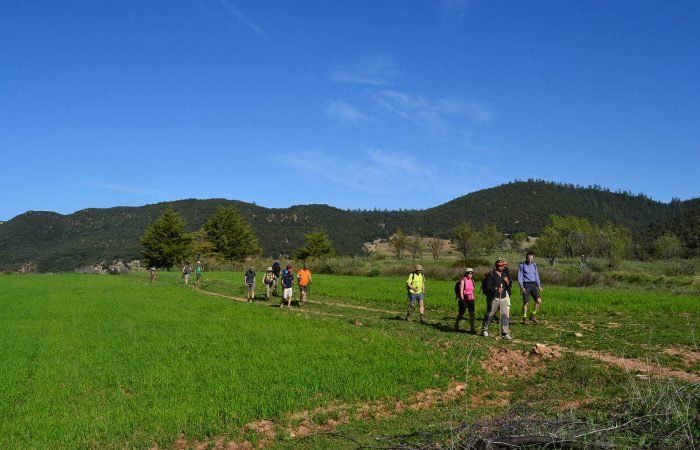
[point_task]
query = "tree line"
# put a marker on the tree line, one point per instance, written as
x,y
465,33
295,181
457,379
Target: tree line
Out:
x,y
225,236
563,237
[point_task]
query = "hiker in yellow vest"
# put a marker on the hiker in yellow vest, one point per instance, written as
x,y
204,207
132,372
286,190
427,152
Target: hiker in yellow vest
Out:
x,y
416,292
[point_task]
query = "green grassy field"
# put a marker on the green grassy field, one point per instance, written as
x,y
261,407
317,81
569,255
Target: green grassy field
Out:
x,y
117,362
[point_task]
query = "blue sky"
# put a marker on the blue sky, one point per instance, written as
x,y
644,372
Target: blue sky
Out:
x,y
357,104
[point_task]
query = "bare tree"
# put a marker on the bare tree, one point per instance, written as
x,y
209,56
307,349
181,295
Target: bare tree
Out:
x,y
398,243
466,240
415,247
435,246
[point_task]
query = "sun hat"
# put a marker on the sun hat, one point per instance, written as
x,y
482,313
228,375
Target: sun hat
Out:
x,y
469,270
269,269
418,267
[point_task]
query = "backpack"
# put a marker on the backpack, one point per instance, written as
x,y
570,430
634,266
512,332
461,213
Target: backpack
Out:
x,y
484,289
250,277
458,285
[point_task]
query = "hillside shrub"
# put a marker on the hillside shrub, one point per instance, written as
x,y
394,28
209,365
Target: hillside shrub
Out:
x,y
473,262
679,267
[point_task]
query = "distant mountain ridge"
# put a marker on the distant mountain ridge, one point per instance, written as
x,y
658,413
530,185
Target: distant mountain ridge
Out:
x,y
55,242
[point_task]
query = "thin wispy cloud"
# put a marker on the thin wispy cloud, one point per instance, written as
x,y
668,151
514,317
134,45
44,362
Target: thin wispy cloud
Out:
x,y
375,71
345,112
370,171
241,17
437,113
455,10
126,189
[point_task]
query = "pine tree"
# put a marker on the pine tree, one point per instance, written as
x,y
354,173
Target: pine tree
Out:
x,y
231,235
165,242
318,244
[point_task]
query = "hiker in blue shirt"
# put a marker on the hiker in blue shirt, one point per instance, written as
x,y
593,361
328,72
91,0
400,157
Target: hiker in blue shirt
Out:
x,y
249,280
287,285
530,286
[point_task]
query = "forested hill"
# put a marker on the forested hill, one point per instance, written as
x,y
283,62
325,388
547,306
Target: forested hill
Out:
x,y
526,206
55,242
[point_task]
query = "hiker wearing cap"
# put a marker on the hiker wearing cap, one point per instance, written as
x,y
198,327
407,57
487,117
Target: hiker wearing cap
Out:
x,y
287,285
153,274
198,269
466,299
496,285
249,279
416,292
270,282
530,286
304,280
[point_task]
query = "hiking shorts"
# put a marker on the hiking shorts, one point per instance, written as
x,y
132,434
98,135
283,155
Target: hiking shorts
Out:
x,y
531,289
250,287
304,289
417,297
287,293
465,305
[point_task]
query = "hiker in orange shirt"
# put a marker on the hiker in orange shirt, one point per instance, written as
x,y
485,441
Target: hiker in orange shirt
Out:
x,y
304,280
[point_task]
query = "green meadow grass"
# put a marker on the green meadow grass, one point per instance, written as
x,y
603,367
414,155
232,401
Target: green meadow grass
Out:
x,y
628,315
117,362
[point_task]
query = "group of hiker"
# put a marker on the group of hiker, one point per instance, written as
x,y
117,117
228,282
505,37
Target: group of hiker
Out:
x,y
496,285
275,275
187,272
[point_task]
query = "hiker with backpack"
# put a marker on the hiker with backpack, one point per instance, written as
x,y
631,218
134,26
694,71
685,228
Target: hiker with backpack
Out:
x,y
530,286
270,282
186,272
287,286
249,280
464,290
494,286
276,269
415,284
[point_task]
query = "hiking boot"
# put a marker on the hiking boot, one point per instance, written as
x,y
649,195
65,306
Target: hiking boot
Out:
x,y
485,333
472,331
506,337
533,320
457,326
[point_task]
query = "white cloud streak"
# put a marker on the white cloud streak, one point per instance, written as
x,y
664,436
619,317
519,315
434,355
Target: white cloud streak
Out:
x,y
345,112
372,171
436,113
241,17
456,10
375,71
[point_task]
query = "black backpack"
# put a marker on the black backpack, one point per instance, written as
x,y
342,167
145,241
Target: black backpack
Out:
x,y
484,289
457,287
